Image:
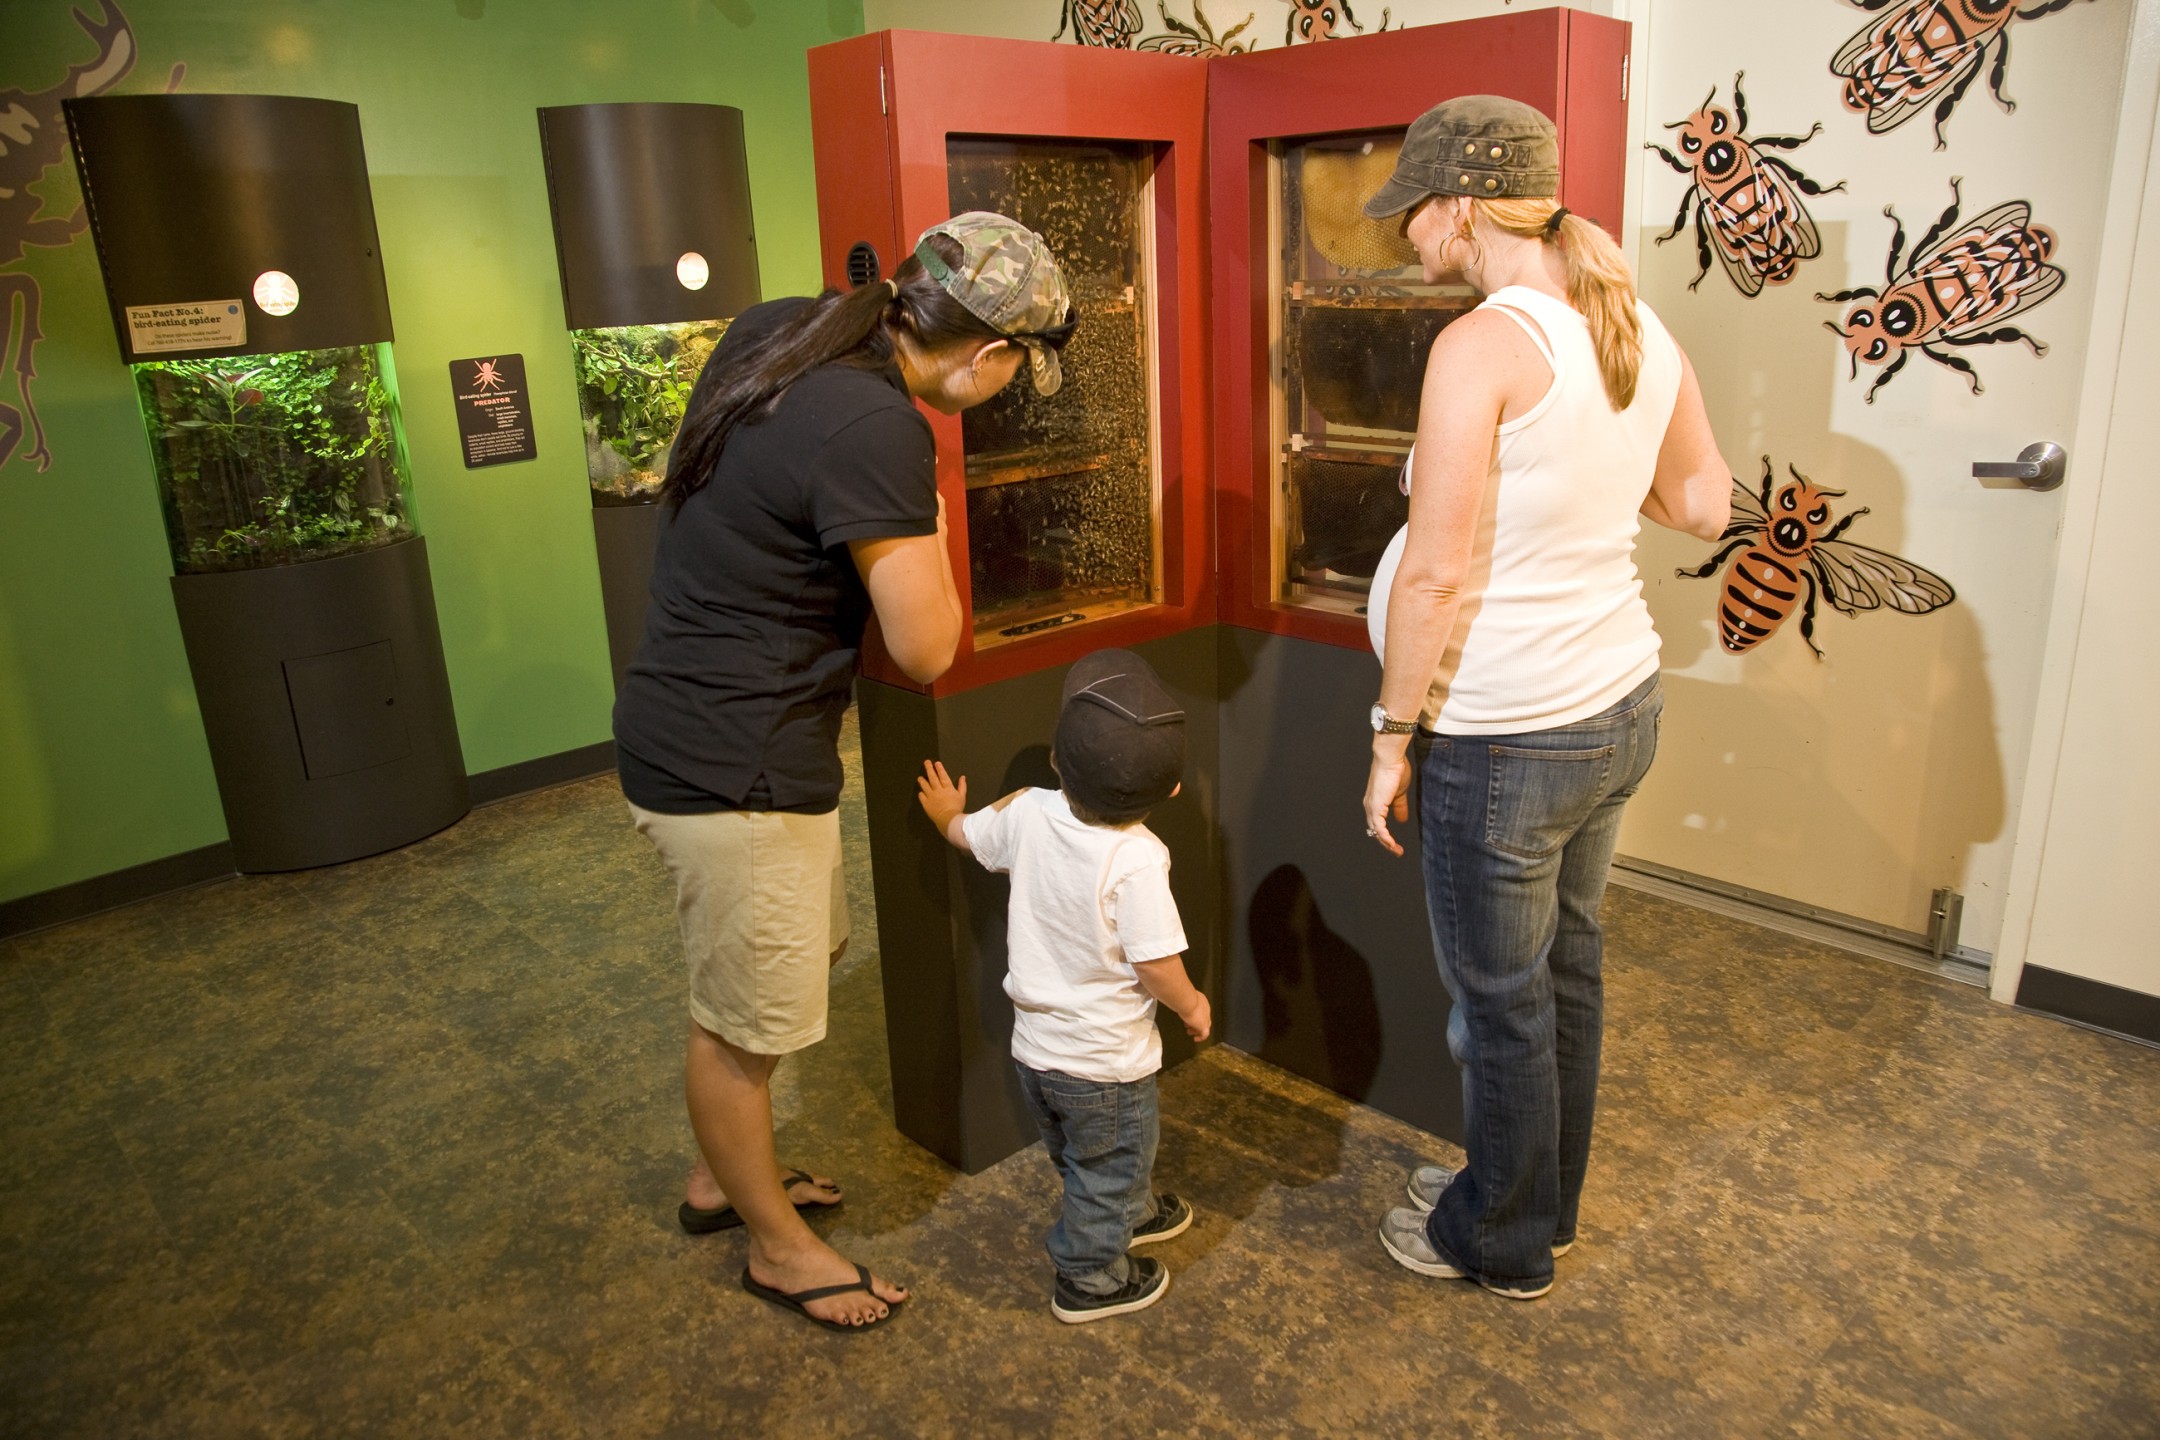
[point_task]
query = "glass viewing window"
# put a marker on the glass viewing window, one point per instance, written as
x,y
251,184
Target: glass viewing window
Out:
x,y
1352,322
271,459
634,384
1064,492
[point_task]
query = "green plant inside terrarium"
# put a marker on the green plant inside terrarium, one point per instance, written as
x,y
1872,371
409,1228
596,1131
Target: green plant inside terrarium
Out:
x,y
271,459
634,384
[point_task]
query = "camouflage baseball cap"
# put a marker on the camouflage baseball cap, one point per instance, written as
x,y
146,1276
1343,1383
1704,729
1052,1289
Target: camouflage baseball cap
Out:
x,y
1008,279
1485,146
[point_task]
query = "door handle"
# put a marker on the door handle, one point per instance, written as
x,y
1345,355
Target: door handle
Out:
x,y
2039,466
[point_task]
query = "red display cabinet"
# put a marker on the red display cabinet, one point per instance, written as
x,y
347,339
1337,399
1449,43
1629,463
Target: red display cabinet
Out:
x,y
1239,393
1321,321
1080,520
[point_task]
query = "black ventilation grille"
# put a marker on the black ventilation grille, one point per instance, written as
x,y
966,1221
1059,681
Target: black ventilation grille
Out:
x,y
862,265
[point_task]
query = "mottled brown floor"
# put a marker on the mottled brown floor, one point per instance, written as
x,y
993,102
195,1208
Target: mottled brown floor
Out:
x,y
394,1149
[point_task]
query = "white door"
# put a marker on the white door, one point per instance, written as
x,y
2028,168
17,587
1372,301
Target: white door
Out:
x,y
1862,779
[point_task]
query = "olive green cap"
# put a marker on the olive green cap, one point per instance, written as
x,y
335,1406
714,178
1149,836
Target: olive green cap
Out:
x,y
1009,280
1485,146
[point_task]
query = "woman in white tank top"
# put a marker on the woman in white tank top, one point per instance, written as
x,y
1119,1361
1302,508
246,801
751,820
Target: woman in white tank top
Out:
x,y
1553,417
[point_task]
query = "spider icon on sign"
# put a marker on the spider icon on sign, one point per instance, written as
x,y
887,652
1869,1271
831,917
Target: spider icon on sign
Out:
x,y
487,377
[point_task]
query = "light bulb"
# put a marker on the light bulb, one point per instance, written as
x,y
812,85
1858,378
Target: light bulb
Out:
x,y
276,293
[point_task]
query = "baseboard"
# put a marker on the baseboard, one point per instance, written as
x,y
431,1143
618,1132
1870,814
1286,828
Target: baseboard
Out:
x,y
527,776
1793,917
110,891
184,871
2093,1004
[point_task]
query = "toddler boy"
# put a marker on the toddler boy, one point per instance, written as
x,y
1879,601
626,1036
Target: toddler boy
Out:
x,y
1093,942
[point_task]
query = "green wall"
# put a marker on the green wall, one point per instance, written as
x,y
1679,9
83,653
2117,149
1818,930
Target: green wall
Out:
x,y
102,759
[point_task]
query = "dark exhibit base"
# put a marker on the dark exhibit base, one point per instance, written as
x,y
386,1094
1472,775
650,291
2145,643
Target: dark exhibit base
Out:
x,y
941,917
326,704
625,536
1330,970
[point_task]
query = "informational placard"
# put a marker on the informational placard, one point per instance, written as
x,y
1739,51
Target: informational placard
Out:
x,y
190,325
493,419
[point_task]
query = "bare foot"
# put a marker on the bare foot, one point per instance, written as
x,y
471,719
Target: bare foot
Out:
x,y
704,1192
817,1265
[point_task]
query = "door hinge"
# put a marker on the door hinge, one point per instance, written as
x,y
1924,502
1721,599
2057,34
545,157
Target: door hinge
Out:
x,y
881,92
1946,909
1624,59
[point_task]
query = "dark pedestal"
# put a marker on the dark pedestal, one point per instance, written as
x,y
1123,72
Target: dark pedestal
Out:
x,y
941,917
326,704
625,536
1330,970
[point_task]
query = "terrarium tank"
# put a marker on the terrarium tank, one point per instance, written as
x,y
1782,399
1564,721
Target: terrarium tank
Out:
x,y
657,254
1353,323
1063,491
274,459
238,243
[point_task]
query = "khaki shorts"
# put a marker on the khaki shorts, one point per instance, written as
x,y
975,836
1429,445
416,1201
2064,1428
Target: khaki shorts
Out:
x,y
762,904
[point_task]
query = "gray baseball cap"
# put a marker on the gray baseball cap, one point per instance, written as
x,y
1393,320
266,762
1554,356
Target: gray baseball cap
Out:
x,y
1485,146
1009,280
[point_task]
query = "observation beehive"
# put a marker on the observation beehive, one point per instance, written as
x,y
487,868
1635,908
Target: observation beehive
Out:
x,y
1063,500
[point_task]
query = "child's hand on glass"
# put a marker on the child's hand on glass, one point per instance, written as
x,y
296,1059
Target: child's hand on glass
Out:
x,y
942,800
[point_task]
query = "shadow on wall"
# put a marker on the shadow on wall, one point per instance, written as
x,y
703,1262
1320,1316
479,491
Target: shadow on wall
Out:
x,y
1860,781
1318,1011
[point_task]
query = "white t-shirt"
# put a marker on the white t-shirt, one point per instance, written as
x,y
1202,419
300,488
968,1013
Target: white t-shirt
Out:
x,y
1088,903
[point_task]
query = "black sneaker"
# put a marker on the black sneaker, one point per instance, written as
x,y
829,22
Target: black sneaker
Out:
x,y
1147,1283
1173,1216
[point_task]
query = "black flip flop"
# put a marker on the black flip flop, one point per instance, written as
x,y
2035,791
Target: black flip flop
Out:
x,y
801,1298
725,1217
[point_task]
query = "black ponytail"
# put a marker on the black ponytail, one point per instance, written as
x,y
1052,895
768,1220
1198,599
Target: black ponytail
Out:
x,y
855,328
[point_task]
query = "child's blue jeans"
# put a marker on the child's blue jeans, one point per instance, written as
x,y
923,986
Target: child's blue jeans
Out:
x,y
1101,1135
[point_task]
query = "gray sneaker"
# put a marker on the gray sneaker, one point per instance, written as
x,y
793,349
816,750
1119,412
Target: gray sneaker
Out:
x,y
1426,1183
1402,1235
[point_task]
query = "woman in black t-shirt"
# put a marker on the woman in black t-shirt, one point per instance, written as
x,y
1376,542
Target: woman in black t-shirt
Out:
x,y
802,497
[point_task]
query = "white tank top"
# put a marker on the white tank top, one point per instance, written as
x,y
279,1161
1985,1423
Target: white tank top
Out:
x,y
1551,627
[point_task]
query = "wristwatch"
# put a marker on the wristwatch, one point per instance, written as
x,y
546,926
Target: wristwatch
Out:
x,y
1386,724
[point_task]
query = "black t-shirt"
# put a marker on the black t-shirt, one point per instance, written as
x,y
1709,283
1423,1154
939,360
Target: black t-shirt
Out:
x,y
735,697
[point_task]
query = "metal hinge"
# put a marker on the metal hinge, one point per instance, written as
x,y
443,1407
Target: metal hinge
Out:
x,y
881,92
1624,59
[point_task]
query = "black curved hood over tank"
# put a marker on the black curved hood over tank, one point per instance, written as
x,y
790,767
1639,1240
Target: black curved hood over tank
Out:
x,y
633,187
190,197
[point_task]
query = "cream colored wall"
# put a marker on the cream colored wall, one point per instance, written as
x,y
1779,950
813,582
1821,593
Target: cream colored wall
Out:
x,y
1863,781
2089,846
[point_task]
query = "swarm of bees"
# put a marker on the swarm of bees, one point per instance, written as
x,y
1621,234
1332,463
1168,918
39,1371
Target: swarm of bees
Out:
x,y
1749,201
1786,552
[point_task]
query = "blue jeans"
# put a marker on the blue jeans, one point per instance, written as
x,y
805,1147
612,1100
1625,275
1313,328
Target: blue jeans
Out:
x,y
1518,832
1101,1135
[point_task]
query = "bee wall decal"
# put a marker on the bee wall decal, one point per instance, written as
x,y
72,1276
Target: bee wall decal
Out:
x,y
1197,39
1106,24
1959,279
1747,202
1928,51
1315,20
1790,552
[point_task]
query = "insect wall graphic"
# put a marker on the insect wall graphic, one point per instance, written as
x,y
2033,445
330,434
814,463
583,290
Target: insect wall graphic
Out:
x,y
1959,280
1929,52
1786,552
1107,24
1197,39
1315,20
33,139
1746,204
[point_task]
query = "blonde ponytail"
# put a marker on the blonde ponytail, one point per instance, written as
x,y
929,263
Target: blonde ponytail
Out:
x,y
1599,285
